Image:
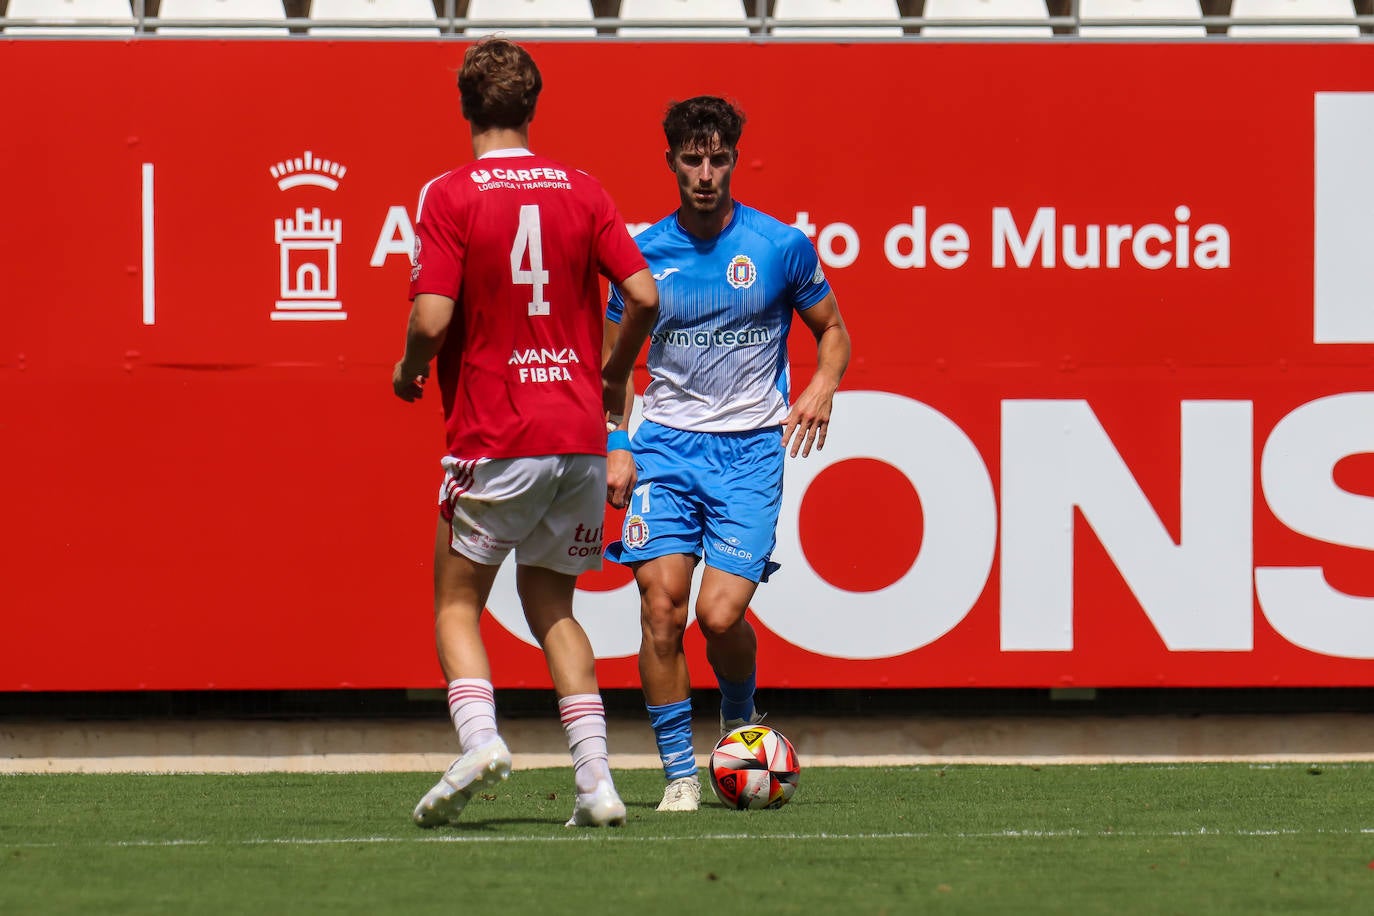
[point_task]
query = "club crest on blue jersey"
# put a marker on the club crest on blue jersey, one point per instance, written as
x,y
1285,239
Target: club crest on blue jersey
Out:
x,y
740,272
636,533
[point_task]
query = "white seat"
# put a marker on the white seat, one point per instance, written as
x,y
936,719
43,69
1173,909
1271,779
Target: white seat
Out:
x,y
223,10
70,11
1126,10
1293,9
840,10
684,11
532,10
986,9
365,11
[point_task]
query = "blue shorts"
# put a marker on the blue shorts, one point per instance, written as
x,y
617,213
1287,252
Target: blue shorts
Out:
x,y
716,494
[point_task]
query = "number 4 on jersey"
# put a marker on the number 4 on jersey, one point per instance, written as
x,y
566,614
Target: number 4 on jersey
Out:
x,y
528,239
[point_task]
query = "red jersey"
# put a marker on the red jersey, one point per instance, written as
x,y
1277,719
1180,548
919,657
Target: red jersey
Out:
x,y
517,241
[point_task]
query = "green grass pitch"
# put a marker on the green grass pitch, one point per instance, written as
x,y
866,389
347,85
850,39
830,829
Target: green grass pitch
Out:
x,y
1215,839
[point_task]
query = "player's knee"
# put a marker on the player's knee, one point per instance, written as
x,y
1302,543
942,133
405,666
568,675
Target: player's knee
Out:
x,y
719,621
663,619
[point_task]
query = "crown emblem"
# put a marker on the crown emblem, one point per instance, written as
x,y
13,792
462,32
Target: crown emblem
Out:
x,y
308,170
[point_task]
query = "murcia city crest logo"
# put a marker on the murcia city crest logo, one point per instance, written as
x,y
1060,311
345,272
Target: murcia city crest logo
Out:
x,y
309,243
741,272
636,532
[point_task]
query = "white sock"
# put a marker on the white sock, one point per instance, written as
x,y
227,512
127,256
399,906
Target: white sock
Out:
x,y
584,719
472,706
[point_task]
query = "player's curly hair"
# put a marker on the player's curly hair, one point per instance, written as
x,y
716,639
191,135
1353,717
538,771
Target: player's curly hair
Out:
x,y
499,84
692,123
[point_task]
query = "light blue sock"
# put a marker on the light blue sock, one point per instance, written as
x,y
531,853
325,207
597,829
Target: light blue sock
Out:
x,y
673,731
736,698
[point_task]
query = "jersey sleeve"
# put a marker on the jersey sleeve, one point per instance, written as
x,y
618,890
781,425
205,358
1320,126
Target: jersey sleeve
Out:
x,y
806,283
617,254
615,305
439,244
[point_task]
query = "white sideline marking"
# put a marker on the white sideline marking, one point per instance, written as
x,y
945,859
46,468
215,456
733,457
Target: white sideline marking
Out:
x,y
39,764
622,837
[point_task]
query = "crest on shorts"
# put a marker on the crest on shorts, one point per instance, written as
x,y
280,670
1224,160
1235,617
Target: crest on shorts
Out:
x,y
636,533
741,272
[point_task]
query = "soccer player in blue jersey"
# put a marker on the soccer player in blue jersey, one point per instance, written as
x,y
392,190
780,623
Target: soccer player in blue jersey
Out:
x,y
708,459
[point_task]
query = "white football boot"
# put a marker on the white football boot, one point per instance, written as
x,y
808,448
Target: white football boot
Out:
x,y
729,725
600,808
682,794
485,765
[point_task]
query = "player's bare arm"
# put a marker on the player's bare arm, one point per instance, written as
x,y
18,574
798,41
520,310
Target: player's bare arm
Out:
x,y
809,418
619,351
636,322
621,476
430,315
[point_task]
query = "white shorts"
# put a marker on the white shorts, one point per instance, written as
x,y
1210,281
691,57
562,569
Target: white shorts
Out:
x,y
550,510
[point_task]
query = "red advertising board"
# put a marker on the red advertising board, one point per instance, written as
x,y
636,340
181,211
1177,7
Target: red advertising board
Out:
x,y
1109,421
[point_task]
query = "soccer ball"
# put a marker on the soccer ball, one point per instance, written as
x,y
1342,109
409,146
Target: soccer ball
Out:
x,y
754,767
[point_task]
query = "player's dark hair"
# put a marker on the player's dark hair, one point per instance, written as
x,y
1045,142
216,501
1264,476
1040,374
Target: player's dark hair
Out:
x,y
692,123
499,84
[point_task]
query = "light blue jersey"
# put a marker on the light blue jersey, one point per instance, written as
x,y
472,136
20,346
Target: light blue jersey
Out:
x,y
718,353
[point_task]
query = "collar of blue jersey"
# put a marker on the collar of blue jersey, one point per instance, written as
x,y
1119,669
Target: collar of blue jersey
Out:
x,y
506,153
734,220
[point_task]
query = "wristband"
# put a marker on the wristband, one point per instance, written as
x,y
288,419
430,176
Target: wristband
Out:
x,y
619,439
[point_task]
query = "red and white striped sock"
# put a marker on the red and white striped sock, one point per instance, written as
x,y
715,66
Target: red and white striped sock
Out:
x,y
472,706
584,719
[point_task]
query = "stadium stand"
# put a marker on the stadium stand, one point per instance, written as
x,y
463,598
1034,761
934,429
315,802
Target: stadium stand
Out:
x,y
222,11
840,11
66,16
369,13
986,9
1128,10
738,19
561,11
684,14
1293,9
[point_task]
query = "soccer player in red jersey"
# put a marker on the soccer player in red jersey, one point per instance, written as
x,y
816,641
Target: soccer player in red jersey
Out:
x,y
506,295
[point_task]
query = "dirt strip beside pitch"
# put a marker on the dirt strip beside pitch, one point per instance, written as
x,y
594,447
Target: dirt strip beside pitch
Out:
x,y
214,746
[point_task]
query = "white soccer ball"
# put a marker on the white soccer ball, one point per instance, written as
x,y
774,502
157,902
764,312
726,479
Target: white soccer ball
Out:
x,y
754,767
